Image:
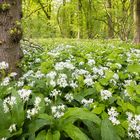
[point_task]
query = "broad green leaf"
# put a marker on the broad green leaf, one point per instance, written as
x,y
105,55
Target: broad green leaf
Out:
x,y
75,133
133,68
53,135
107,131
74,114
41,135
36,124
94,131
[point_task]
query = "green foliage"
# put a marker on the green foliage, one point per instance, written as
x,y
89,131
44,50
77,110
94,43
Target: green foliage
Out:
x,y
79,91
4,7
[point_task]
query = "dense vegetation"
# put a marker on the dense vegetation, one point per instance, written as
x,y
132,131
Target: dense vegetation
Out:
x,y
69,70
79,18
80,91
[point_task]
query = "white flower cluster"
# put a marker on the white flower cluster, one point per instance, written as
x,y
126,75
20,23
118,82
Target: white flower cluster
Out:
x,y
105,94
91,62
55,93
20,83
98,71
133,125
8,103
6,81
62,80
73,84
88,81
3,65
51,75
69,97
32,112
79,72
116,76
61,65
12,128
87,102
47,101
58,111
113,114
39,74
13,74
24,94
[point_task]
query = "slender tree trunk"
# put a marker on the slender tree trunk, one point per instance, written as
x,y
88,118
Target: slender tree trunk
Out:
x,y
10,33
137,21
89,22
110,24
80,20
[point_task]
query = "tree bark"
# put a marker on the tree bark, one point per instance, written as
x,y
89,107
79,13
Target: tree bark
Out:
x,y
10,33
137,22
109,19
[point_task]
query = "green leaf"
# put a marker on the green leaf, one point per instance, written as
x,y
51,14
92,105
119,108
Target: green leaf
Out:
x,y
75,133
41,135
138,110
74,114
120,130
107,131
98,110
36,124
53,135
133,68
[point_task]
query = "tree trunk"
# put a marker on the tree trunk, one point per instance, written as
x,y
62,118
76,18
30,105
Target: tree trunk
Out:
x,y
110,24
137,22
10,33
80,20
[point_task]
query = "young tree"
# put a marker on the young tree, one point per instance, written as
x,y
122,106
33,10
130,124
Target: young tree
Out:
x,y
137,21
10,32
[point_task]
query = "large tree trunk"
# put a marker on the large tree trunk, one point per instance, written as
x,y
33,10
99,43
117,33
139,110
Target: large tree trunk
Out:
x,y
137,21
10,33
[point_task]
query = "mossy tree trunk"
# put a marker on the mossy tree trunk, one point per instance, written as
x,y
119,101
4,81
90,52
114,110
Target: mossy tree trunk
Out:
x,y
137,21
10,33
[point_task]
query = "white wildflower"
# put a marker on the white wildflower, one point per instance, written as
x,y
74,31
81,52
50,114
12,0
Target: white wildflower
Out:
x,y
13,74
73,84
88,81
86,102
20,83
105,94
91,62
51,75
12,128
24,94
47,101
4,65
116,76
37,60
52,83
69,97
62,80
39,75
133,125
113,114
37,101
58,111
5,81
55,93
8,103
